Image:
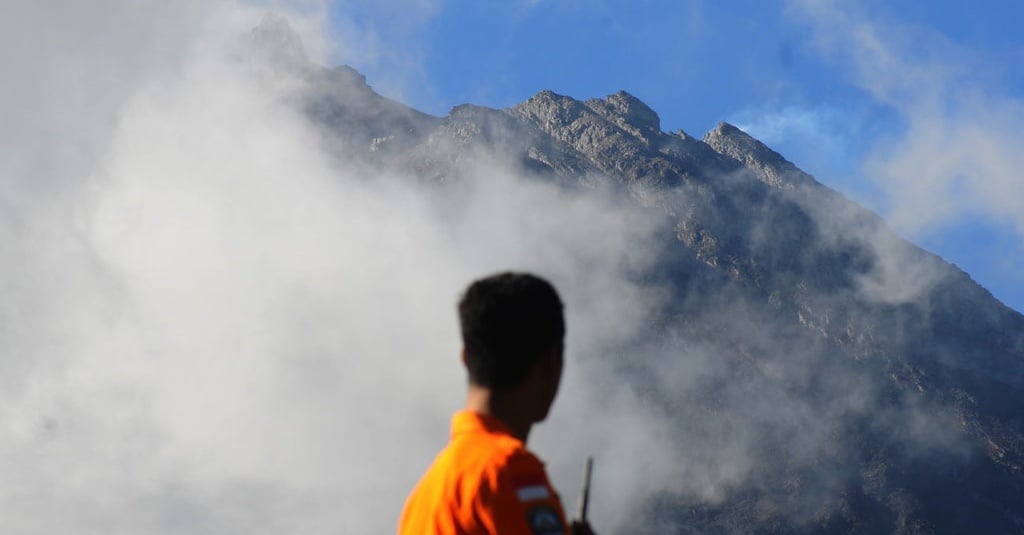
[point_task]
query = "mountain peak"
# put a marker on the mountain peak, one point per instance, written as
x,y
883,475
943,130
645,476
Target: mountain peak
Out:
x,y
547,95
628,112
276,40
635,111
771,167
350,76
727,129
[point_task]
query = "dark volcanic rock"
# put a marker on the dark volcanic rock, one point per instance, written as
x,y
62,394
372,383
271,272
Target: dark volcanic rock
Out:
x,y
909,376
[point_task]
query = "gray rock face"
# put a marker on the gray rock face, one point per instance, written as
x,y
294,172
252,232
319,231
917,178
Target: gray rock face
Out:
x,y
357,118
755,240
628,113
769,165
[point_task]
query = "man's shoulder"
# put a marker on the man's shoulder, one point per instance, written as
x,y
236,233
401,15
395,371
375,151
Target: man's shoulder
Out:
x,y
489,480
521,460
496,453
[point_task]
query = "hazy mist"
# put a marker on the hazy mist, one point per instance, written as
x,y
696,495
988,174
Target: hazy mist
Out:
x,y
214,326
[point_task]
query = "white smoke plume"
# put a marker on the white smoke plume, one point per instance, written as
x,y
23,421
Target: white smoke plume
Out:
x,y
213,326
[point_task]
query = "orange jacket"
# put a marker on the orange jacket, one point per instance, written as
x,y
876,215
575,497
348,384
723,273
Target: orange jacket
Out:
x,y
484,482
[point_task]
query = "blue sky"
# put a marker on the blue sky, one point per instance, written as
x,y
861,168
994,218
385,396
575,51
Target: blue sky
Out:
x,y
913,108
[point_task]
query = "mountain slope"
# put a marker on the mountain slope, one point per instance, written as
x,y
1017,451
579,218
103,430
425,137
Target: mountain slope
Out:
x,y
894,381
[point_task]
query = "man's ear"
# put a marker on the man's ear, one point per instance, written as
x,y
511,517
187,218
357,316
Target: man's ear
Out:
x,y
553,360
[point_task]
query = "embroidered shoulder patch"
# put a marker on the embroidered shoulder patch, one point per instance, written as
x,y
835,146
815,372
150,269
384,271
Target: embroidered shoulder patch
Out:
x,y
544,520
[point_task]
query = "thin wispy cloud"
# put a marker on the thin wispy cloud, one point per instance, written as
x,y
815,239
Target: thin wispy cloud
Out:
x,y
958,155
822,131
776,127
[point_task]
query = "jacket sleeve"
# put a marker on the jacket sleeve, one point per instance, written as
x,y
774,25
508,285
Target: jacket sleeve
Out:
x,y
524,503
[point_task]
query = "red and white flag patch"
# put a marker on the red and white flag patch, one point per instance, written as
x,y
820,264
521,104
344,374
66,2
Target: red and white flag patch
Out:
x,y
529,489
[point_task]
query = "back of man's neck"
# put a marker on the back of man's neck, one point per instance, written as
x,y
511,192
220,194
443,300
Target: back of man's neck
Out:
x,y
502,406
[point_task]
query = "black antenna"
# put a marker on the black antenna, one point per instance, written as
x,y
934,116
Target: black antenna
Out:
x,y
581,512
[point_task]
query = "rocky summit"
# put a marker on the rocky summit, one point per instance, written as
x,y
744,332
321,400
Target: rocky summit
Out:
x,y
898,381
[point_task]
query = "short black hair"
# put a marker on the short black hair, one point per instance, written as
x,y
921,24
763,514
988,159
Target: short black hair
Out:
x,y
509,320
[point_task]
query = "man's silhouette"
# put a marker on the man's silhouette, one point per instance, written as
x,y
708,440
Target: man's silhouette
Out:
x,y
486,481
